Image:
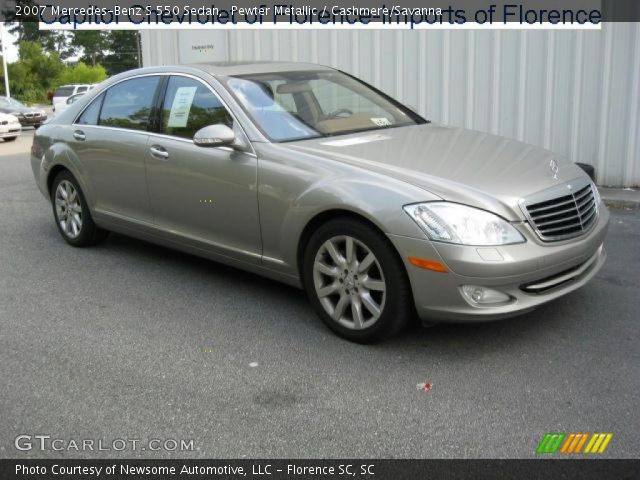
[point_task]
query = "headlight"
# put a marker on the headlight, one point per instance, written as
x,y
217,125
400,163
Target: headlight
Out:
x,y
455,223
42,113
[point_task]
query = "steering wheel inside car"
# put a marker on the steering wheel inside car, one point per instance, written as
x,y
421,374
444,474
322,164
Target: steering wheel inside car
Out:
x,y
341,113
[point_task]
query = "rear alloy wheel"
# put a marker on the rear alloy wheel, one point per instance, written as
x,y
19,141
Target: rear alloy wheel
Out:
x,y
356,282
71,213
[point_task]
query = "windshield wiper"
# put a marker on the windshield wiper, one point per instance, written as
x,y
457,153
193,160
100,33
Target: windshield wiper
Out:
x,y
372,129
296,139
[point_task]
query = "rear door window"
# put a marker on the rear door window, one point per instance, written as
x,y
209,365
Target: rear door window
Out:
x,y
128,104
90,114
63,92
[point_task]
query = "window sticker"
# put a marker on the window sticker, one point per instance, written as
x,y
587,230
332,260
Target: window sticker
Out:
x,y
181,106
381,121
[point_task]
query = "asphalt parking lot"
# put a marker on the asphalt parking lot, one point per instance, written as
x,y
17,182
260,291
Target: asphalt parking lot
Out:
x,y
132,341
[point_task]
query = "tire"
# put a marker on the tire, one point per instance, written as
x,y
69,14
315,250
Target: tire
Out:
x,y
72,214
361,298
10,139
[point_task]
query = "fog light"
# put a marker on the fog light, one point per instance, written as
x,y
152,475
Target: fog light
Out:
x,y
476,295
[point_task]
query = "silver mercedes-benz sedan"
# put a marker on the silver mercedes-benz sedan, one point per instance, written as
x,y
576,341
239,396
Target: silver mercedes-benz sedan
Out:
x,y
311,177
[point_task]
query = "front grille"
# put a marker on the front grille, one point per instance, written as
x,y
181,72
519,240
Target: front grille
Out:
x,y
4,122
569,211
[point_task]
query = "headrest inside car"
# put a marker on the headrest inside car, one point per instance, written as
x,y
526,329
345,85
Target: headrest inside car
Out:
x,y
293,87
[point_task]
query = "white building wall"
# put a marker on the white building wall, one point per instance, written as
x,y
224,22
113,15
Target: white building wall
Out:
x,y
574,92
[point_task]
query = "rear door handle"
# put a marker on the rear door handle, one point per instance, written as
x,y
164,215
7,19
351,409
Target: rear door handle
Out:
x,y
79,135
159,152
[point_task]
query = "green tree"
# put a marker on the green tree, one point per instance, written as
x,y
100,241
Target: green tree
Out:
x,y
116,50
26,28
24,83
35,73
27,31
38,72
123,52
45,65
51,41
92,44
81,73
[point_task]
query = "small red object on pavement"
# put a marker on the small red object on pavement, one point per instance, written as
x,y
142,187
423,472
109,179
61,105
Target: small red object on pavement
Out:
x,y
425,387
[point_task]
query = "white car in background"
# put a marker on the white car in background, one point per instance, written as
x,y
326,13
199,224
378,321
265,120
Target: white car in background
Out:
x,y
62,93
68,102
10,127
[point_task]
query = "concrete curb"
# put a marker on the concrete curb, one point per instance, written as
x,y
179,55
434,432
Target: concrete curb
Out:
x,y
628,198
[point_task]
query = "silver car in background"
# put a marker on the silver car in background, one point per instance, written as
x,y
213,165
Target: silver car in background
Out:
x,y
311,177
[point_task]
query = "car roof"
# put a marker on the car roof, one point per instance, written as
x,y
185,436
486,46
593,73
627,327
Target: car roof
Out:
x,y
224,69
247,68
215,69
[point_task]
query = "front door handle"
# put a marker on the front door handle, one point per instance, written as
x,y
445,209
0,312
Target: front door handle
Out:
x,y
79,135
159,152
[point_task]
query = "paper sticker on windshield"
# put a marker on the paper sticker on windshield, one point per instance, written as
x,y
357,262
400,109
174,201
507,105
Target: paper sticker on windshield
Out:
x,y
181,106
381,121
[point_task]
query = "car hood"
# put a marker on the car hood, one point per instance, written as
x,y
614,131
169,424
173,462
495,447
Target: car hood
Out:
x,y
456,164
14,110
7,117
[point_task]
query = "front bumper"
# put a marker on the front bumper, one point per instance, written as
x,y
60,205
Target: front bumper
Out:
x,y
531,273
27,121
10,130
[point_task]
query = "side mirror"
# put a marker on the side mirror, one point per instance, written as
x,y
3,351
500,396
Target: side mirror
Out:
x,y
214,136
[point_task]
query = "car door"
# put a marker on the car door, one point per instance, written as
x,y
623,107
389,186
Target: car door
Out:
x,y
206,195
110,140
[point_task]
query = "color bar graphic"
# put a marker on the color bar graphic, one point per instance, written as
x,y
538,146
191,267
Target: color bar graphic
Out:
x,y
572,443
598,443
550,442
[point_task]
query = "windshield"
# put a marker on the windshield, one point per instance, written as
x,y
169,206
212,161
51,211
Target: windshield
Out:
x,y
299,105
10,102
64,91
74,98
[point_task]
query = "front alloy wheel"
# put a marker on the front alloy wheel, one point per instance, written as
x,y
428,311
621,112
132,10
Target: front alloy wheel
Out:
x,y
349,282
356,281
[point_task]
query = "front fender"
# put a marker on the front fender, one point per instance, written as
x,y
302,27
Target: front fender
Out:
x,y
378,201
